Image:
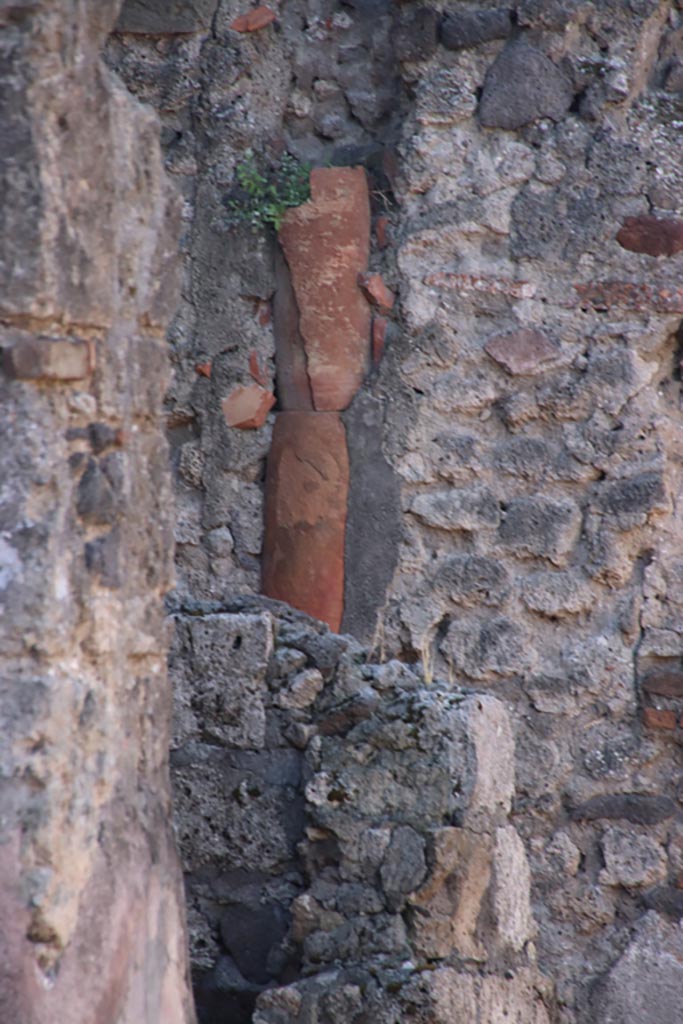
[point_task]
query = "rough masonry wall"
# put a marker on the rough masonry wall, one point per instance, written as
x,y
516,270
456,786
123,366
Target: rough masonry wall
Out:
x,y
528,401
90,887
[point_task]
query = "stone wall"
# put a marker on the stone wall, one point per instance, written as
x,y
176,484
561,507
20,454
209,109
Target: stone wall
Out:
x,y
90,886
514,486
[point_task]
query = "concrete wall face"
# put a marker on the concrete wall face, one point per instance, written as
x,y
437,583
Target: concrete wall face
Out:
x,y
90,886
471,807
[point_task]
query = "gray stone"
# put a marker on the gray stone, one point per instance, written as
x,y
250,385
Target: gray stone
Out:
x,y
637,494
404,865
458,509
645,982
373,524
541,527
640,809
96,500
415,38
556,594
473,579
165,17
462,29
521,86
632,860
483,650
249,934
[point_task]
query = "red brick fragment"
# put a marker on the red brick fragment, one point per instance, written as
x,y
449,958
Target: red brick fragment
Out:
x,y
632,295
264,313
307,482
379,333
247,407
376,291
256,370
253,20
203,369
50,359
326,243
381,226
651,235
664,682
521,352
655,718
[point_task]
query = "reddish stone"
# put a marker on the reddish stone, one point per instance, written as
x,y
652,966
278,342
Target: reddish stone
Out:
x,y
307,484
256,370
376,291
254,20
632,295
467,284
247,407
379,333
381,226
654,718
665,684
203,369
326,243
52,359
521,352
651,236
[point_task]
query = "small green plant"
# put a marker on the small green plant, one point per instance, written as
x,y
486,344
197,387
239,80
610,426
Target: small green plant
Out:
x,y
260,197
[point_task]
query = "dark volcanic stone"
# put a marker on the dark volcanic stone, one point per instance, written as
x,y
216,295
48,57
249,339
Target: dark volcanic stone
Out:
x,y
249,935
634,807
634,494
469,28
416,38
665,899
165,17
373,524
95,501
404,865
522,85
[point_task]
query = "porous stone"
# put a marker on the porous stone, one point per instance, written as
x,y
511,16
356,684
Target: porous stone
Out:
x,y
473,579
511,890
631,859
326,243
415,38
521,86
305,514
556,594
458,509
540,527
159,17
404,865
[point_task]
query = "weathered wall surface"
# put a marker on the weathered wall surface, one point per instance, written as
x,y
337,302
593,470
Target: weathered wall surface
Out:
x,y
528,402
90,887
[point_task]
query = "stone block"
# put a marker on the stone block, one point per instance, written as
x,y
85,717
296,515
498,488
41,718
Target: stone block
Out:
x,y
631,859
415,38
404,865
556,594
458,509
491,785
651,235
521,352
326,242
227,660
449,904
48,359
664,683
307,484
541,527
489,648
645,982
463,29
511,890
473,580
521,86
